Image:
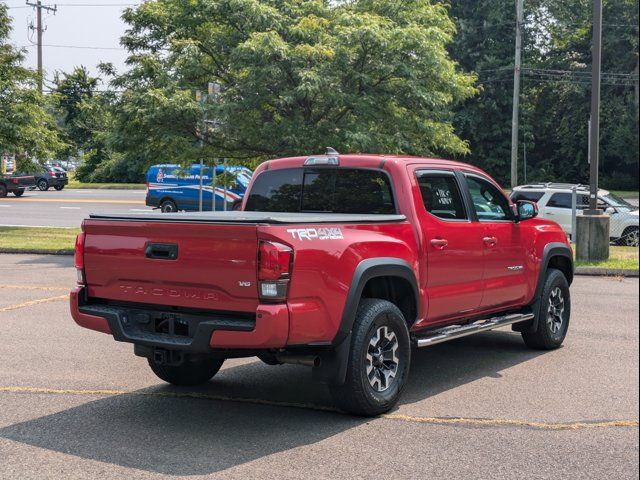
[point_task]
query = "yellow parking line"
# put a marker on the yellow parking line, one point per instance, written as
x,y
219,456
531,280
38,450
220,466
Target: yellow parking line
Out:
x,y
33,287
33,302
72,200
496,422
482,422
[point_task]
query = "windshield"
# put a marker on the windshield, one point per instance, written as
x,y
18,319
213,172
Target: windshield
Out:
x,y
618,202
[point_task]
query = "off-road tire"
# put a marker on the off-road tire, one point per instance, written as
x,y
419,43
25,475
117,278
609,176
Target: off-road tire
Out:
x,y
18,193
168,206
544,337
187,374
357,395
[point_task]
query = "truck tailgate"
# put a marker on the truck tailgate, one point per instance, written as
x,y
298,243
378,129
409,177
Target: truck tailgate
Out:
x,y
214,266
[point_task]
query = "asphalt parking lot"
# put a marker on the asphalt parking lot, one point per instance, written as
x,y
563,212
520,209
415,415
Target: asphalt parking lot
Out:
x,y
76,404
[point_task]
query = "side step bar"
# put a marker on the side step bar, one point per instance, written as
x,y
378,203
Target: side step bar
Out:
x,y
458,331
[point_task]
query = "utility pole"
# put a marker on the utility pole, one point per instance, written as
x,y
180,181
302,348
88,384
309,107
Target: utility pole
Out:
x,y
39,30
516,94
594,140
592,228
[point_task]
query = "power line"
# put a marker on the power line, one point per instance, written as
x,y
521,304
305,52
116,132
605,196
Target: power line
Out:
x,y
83,47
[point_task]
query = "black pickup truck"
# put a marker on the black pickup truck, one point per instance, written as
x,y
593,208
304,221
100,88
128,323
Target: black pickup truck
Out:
x,y
16,184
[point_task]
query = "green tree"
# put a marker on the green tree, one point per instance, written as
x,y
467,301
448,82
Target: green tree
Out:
x,y
85,118
26,128
295,76
555,106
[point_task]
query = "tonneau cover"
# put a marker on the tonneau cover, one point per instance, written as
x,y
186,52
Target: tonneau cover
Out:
x,y
249,217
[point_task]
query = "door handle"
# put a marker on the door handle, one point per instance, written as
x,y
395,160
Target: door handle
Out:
x,y
161,251
490,241
439,243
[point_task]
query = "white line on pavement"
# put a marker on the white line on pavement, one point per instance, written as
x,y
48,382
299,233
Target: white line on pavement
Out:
x,y
31,226
70,208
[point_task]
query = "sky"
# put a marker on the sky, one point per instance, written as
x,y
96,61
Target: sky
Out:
x,y
94,25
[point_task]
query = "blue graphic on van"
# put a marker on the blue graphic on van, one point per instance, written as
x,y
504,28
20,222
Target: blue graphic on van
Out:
x,y
173,187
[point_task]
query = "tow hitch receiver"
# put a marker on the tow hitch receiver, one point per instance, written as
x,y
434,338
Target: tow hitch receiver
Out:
x,y
168,357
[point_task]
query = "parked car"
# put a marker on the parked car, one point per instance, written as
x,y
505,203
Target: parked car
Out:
x,y
337,262
172,188
555,203
16,184
55,177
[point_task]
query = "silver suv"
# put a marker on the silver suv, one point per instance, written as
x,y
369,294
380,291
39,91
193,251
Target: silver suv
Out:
x,y
554,203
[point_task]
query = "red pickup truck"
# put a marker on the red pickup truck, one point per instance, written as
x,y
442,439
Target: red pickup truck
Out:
x,y
339,262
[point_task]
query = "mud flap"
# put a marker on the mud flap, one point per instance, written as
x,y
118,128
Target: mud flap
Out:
x,y
332,369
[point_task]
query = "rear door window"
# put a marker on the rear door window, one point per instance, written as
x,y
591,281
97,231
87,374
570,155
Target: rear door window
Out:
x,y
560,200
328,190
441,195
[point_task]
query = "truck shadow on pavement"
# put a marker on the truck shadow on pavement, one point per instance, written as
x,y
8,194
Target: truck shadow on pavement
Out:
x,y
190,436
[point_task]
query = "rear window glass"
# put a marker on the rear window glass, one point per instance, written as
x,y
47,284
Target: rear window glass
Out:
x,y
328,190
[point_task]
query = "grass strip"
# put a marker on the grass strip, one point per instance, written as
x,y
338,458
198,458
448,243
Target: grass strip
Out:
x,y
619,257
38,239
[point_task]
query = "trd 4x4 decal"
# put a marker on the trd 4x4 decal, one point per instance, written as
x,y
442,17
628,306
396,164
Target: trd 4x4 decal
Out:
x,y
316,233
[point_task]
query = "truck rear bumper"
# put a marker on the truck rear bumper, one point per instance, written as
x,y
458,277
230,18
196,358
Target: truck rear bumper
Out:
x,y
195,332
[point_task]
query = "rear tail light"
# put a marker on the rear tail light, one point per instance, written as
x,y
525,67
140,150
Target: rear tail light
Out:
x,y
15,180
79,258
52,174
274,270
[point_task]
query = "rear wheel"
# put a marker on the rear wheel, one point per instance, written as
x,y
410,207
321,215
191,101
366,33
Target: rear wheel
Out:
x,y
378,362
187,374
630,237
43,185
168,206
59,187
18,193
3,191
553,314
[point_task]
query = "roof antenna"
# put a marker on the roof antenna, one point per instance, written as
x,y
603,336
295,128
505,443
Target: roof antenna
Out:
x,y
331,151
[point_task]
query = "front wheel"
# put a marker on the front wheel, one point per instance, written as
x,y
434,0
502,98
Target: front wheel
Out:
x,y
187,374
19,193
43,185
553,314
379,360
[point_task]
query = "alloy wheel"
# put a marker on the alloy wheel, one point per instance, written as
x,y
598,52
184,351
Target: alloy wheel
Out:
x,y
382,358
555,310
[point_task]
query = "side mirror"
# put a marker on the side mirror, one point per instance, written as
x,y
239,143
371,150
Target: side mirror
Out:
x,y
610,210
527,210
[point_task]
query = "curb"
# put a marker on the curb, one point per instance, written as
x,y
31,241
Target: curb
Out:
x,y
606,272
36,252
